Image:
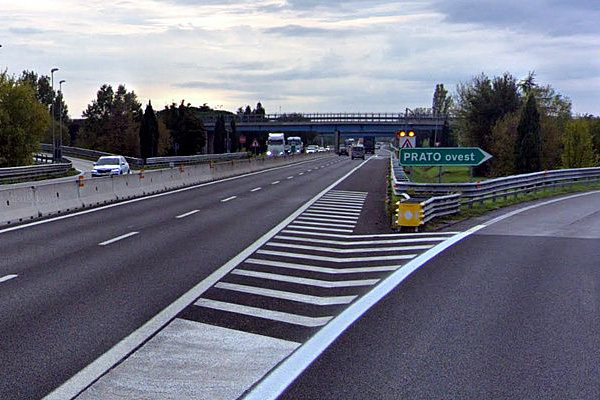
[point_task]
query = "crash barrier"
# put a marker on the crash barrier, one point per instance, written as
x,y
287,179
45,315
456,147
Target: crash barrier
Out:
x,y
93,155
440,199
18,205
34,171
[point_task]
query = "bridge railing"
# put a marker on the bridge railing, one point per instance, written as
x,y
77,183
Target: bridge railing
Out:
x,y
347,117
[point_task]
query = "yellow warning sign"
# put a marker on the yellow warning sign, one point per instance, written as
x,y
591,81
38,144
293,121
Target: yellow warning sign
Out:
x,y
410,214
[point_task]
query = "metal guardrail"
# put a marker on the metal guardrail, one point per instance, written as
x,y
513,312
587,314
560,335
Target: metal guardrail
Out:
x,y
197,159
445,199
34,171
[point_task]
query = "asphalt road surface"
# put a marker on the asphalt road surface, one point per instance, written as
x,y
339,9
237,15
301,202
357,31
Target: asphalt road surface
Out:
x,y
511,312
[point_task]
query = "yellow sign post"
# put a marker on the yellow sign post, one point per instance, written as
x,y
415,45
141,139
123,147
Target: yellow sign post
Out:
x,y
410,214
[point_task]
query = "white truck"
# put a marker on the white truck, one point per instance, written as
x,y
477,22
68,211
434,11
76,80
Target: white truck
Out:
x,y
294,145
276,145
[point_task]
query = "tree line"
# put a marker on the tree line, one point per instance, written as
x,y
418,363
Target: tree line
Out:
x,y
527,127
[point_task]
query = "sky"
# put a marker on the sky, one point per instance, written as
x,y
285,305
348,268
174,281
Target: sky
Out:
x,y
301,56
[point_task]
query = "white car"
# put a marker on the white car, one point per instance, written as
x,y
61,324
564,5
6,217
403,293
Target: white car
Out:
x,y
111,165
312,149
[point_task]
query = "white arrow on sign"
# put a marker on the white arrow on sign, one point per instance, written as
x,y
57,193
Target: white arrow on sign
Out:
x,y
408,215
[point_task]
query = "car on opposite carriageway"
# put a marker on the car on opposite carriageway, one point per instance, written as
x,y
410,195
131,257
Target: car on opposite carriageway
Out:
x,y
111,165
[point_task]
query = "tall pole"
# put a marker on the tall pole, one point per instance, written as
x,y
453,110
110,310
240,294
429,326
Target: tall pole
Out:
x,y
60,111
52,71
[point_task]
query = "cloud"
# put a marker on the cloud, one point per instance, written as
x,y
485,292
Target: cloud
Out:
x,y
27,31
298,30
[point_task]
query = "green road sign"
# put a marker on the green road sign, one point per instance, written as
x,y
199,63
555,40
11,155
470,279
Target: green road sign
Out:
x,y
443,156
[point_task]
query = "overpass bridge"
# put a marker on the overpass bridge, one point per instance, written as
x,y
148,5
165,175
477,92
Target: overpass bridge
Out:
x,y
348,124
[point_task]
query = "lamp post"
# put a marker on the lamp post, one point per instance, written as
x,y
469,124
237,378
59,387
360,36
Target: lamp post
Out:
x,y
52,71
60,111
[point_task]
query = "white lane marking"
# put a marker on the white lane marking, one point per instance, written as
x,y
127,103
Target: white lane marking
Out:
x,y
349,251
310,170
348,224
293,319
344,197
338,211
125,236
349,192
8,277
256,189
335,259
85,377
314,228
301,173
187,214
290,177
153,196
382,235
304,281
321,219
358,243
228,199
339,206
275,183
342,201
279,294
324,270
330,215
285,373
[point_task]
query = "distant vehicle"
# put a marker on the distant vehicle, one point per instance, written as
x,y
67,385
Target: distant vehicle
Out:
x,y
369,143
378,145
322,149
357,151
276,145
312,149
294,145
111,165
345,148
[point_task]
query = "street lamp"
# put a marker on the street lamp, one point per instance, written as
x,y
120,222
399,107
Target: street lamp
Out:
x,y
60,111
52,71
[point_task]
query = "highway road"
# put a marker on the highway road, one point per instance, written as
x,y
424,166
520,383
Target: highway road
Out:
x,y
73,287
512,311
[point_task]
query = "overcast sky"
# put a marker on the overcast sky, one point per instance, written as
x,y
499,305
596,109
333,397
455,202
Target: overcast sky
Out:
x,y
296,55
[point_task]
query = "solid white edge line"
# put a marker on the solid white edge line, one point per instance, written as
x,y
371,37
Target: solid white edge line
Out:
x,y
167,193
187,214
88,375
228,199
113,240
286,372
8,277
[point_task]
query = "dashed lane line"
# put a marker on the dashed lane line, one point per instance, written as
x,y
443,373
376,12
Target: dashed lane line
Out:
x,y
262,313
256,189
275,183
336,259
305,281
8,277
187,214
278,294
228,199
290,177
324,270
118,238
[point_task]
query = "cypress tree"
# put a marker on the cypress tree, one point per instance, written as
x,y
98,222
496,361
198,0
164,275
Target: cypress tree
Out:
x,y
149,133
528,146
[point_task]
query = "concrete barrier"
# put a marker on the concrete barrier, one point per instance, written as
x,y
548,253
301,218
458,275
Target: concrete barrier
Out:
x,y
97,191
173,178
57,198
128,186
17,205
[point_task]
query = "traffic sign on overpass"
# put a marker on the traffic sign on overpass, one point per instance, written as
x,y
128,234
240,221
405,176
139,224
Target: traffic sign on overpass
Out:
x,y
443,156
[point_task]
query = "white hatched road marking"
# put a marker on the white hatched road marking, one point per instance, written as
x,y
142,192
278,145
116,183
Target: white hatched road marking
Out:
x,y
381,235
336,259
334,210
262,313
325,270
256,189
354,204
305,281
8,277
349,251
341,206
278,294
359,243
348,191
125,236
334,220
343,197
329,215
314,228
347,225
187,214
228,199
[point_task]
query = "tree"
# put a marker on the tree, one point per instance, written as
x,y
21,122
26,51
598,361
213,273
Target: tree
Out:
x,y
504,137
528,144
528,84
23,121
188,134
578,146
442,101
149,134
112,121
220,135
259,110
481,103
235,142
